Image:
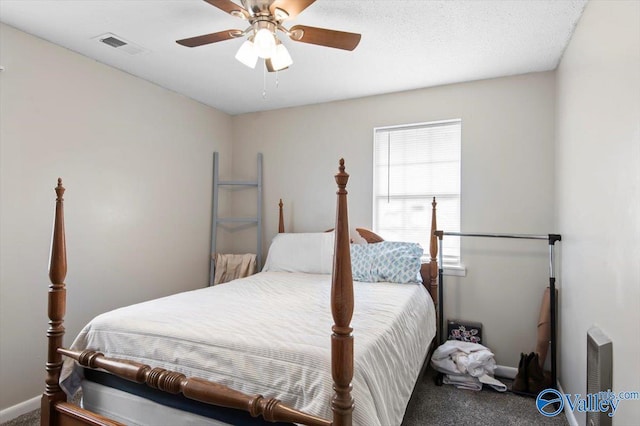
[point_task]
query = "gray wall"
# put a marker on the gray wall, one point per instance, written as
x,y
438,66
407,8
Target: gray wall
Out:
x,y
507,185
136,160
598,196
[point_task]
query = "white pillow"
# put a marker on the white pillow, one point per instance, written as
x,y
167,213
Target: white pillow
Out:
x,y
311,253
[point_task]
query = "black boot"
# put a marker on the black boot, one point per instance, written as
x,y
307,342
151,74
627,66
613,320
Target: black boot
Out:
x,y
520,383
537,380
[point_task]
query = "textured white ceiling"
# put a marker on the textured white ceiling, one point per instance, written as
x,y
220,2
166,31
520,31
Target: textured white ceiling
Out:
x,y
405,45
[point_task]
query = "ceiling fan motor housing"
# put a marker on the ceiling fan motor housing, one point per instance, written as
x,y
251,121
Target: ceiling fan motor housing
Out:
x,y
257,7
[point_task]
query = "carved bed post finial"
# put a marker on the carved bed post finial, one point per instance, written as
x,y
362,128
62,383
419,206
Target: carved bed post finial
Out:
x,y
57,307
58,260
342,310
280,219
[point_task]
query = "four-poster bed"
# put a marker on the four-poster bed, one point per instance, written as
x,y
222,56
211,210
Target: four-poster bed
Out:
x,y
177,372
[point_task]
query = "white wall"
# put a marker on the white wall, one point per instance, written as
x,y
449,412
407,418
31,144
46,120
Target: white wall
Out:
x,y
507,184
598,195
136,160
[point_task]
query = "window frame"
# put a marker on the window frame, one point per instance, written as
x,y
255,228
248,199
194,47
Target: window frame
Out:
x,y
454,266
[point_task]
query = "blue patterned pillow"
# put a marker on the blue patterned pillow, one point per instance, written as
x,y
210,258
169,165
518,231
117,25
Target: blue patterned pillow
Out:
x,y
389,261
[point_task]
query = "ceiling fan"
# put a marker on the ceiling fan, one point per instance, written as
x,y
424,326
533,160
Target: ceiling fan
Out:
x,y
265,18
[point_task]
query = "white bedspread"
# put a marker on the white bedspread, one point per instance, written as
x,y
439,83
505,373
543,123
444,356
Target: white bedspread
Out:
x,y
270,334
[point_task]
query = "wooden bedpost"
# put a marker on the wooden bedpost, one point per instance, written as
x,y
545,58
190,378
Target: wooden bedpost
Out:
x,y
280,219
342,310
57,307
433,252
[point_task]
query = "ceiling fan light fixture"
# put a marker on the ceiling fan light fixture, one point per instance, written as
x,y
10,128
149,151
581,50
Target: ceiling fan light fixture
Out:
x,y
264,39
247,54
282,58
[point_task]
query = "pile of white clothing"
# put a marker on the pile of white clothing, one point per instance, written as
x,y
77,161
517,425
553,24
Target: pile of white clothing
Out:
x,y
466,365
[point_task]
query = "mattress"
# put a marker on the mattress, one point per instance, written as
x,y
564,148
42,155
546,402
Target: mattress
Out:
x,y
270,334
135,404
132,410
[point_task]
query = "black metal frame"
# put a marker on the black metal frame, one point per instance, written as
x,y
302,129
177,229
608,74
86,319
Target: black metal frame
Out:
x,y
552,239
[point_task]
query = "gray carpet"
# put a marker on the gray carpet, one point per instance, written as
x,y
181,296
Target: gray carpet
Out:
x,y
440,405
447,405
29,419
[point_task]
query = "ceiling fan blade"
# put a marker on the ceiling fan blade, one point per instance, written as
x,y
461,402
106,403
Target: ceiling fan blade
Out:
x,y
292,7
229,7
325,37
209,38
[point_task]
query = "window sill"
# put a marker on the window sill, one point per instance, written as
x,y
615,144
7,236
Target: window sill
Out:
x,y
456,270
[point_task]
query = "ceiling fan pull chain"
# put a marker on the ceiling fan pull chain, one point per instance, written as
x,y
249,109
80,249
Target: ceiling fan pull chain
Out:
x,y
264,82
277,79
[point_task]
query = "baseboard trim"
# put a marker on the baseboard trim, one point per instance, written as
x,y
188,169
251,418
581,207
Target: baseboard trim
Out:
x,y
570,415
19,409
505,372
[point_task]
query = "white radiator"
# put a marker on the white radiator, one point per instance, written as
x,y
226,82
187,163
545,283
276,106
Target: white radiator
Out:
x,y
599,372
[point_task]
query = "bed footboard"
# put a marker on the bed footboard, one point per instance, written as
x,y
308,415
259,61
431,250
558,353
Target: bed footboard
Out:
x,y
67,414
55,410
194,388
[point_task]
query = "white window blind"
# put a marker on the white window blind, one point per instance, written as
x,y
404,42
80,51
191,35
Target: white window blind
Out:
x,y
411,165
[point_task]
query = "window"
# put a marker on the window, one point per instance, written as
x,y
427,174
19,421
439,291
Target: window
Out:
x,y
411,165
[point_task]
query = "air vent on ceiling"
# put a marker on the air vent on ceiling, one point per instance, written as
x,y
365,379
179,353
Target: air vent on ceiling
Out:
x,y
113,42
121,44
